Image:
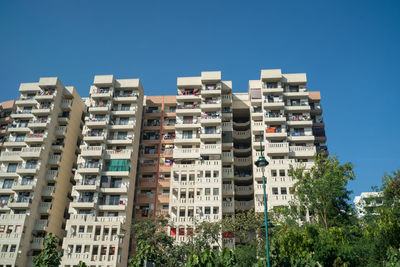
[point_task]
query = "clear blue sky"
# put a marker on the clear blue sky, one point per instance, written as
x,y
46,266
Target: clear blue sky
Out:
x,y
349,50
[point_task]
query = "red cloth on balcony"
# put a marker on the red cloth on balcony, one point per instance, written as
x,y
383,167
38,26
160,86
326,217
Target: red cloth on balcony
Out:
x,y
173,232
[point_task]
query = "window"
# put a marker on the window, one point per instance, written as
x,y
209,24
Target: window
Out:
x,y
187,134
216,191
114,200
275,191
123,121
12,167
19,138
8,183
283,191
207,210
272,85
116,182
78,249
216,174
125,106
31,164
215,210
207,191
282,172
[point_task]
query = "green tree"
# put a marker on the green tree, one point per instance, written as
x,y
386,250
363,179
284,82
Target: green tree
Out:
x,y
50,256
322,190
152,242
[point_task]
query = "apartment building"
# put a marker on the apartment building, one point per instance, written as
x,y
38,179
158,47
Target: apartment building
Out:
x,y
367,203
156,157
35,172
287,118
220,135
6,109
98,228
202,153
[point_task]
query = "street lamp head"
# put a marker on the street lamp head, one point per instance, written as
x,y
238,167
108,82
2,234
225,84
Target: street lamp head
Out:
x,y
262,162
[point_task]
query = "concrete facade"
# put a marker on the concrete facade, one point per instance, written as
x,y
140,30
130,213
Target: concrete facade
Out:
x,y
36,163
98,229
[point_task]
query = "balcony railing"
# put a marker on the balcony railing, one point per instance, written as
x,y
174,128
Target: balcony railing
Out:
x,y
188,106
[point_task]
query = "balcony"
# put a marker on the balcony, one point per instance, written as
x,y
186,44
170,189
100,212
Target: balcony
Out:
x,y
210,105
89,168
299,94
31,152
301,136
13,156
143,198
245,161
227,189
271,118
113,205
242,135
244,205
99,109
118,154
122,126
227,156
146,183
275,133
27,169
257,126
211,135
24,186
43,110
125,97
163,198
41,123
226,99
188,95
208,149
66,104
302,151
54,159
152,113
210,119
37,243
268,90
94,136
299,120
227,126
273,104
97,122
277,148
148,167
60,131
20,203
125,111
48,191
44,207
91,151
303,107
185,140
18,128
40,225
244,190
187,124
227,207
182,153
210,90
22,114
87,185
46,95
26,101
35,138
101,93
84,202
189,109
227,172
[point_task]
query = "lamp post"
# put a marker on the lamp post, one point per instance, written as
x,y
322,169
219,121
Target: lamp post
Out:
x,y
262,163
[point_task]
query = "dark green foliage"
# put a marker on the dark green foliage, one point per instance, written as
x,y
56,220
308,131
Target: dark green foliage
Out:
x,y
334,236
49,257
